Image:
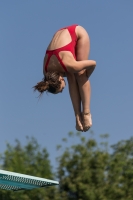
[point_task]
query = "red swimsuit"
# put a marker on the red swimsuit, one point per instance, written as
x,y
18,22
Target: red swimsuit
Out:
x,y
69,47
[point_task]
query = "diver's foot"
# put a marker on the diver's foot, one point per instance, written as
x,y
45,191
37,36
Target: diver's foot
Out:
x,y
79,126
87,121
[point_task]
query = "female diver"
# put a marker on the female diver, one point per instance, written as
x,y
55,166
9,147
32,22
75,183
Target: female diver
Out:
x,y
67,56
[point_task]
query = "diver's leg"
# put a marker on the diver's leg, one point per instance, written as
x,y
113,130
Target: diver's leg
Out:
x,y
82,53
76,99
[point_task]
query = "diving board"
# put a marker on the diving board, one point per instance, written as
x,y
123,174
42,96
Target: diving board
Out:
x,y
15,181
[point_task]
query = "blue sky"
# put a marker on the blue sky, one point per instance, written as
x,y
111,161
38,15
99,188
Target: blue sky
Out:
x,y
26,28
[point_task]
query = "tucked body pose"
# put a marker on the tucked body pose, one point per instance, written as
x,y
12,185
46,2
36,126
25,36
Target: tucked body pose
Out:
x,y
67,56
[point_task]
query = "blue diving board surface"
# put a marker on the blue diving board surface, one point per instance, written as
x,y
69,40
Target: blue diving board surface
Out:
x,y
15,181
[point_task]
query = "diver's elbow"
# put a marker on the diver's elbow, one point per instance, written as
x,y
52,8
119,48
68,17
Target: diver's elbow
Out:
x,y
94,64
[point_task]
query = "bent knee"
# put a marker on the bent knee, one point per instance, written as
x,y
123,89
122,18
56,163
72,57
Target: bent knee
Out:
x,y
89,72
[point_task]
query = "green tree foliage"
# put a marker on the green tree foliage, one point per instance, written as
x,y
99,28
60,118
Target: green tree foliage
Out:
x,y
88,171
31,160
120,171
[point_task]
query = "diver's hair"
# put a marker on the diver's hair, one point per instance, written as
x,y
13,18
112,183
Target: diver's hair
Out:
x,y
49,83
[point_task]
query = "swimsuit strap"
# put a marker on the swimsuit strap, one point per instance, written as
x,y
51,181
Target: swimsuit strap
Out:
x,y
62,64
50,53
71,30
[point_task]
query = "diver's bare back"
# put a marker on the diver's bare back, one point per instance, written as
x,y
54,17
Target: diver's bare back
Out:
x,y
60,39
